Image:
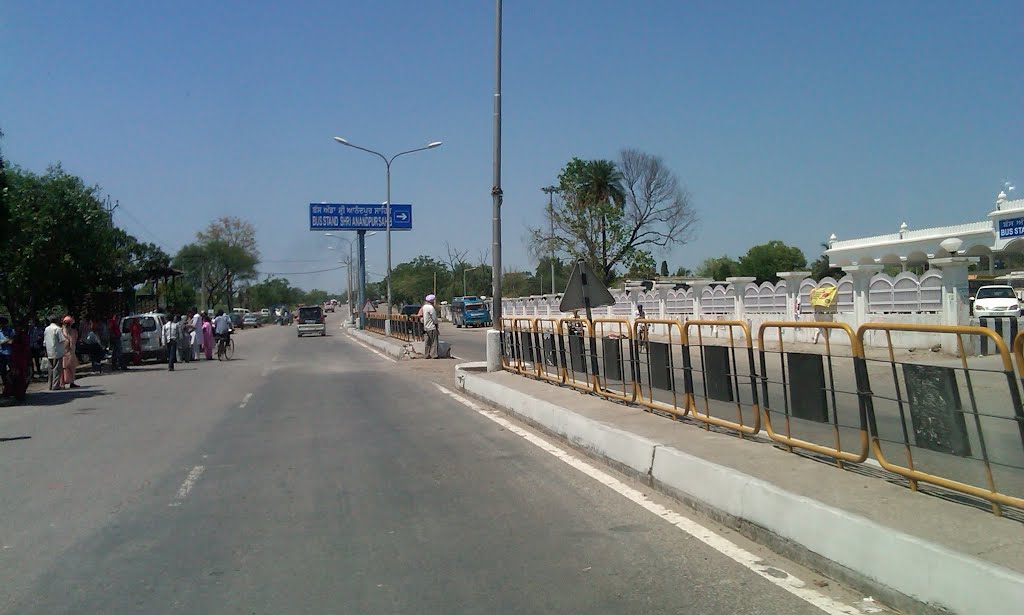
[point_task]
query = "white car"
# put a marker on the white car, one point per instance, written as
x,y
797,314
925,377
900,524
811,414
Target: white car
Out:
x,y
998,300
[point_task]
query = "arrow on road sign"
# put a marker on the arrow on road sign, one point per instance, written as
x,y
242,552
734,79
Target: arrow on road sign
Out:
x,y
401,216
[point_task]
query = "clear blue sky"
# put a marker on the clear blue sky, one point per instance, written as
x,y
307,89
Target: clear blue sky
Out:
x,y
786,120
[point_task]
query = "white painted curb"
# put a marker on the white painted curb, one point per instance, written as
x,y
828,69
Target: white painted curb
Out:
x,y
381,344
927,572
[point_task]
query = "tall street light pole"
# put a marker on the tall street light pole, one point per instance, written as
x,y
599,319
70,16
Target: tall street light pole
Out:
x,y
348,271
496,185
464,272
387,209
551,190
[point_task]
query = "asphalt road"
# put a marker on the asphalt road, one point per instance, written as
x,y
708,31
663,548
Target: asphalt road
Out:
x,y
313,476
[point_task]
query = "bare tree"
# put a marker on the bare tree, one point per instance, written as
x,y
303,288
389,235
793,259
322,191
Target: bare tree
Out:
x,y
658,210
456,258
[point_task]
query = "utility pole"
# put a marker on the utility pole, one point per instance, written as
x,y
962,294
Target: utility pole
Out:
x,y
496,186
550,190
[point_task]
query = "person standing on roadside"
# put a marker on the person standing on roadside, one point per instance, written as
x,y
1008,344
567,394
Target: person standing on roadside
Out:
x,y
170,334
207,337
70,347
197,339
136,337
116,350
21,363
36,345
430,332
6,344
53,340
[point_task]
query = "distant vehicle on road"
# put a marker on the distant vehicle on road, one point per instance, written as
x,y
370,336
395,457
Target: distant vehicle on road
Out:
x,y
470,312
311,321
996,300
410,310
237,321
251,320
328,306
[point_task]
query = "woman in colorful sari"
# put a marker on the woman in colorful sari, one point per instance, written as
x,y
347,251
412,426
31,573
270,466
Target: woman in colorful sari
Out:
x,y
70,347
207,337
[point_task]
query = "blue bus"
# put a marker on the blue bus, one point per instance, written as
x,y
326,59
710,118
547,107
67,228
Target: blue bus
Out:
x,y
470,312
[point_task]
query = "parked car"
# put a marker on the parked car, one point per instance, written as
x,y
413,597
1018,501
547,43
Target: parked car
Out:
x,y
236,321
152,323
311,321
996,300
251,320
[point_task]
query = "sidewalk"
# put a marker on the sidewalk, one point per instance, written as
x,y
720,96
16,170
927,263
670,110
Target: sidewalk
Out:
x,y
918,553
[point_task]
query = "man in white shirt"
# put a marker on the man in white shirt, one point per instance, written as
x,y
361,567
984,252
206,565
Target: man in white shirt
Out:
x,y
197,334
169,336
429,313
53,341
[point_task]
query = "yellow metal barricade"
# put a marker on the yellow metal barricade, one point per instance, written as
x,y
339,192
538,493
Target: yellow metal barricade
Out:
x,y
616,367
720,378
660,376
958,423
815,393
519,345
375,323
549,348
577,362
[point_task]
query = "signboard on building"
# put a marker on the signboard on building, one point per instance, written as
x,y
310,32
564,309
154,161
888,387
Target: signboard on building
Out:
x,y
358,217
1011,227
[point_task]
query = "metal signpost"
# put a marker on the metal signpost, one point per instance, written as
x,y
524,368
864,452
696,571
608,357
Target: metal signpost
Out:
x,y
359,217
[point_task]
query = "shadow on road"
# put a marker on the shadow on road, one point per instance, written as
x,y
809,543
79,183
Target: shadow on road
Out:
x,y
56,398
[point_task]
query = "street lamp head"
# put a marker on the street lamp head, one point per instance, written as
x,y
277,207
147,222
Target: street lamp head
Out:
x,y
433,145
342,141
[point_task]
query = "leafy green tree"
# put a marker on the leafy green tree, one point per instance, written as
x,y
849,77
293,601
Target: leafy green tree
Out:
x,y
414,280
543,272
316,297
273,292
605,211
223,255
718,268
59,242
642,265
518,283
821,268
664,269
763,261
684,272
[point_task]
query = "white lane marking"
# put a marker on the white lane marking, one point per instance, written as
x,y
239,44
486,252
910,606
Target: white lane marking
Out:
x,y
190,481
373,350
245,400
719,543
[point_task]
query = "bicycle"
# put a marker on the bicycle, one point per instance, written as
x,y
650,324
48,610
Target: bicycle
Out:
x,y
642,335
225,348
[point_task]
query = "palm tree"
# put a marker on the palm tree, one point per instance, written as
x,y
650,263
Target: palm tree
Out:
x,y
602,184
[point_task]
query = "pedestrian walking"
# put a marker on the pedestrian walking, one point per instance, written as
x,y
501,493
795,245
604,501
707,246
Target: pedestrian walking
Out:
x,y
184,347
208,337
429,328
53,340
196,340
169,336
70,347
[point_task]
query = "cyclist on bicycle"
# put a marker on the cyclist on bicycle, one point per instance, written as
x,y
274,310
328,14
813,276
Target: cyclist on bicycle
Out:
x,y
642,328
222,327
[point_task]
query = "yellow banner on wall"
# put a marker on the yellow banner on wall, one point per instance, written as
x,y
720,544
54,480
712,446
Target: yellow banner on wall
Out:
x,y
824,296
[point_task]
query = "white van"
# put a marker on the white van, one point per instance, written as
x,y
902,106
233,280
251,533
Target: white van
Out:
x,y
152,324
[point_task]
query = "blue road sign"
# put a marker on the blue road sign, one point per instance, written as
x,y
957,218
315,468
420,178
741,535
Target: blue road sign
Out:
x,y
358,217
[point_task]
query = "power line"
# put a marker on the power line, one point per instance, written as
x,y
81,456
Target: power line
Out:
x,y
298,272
